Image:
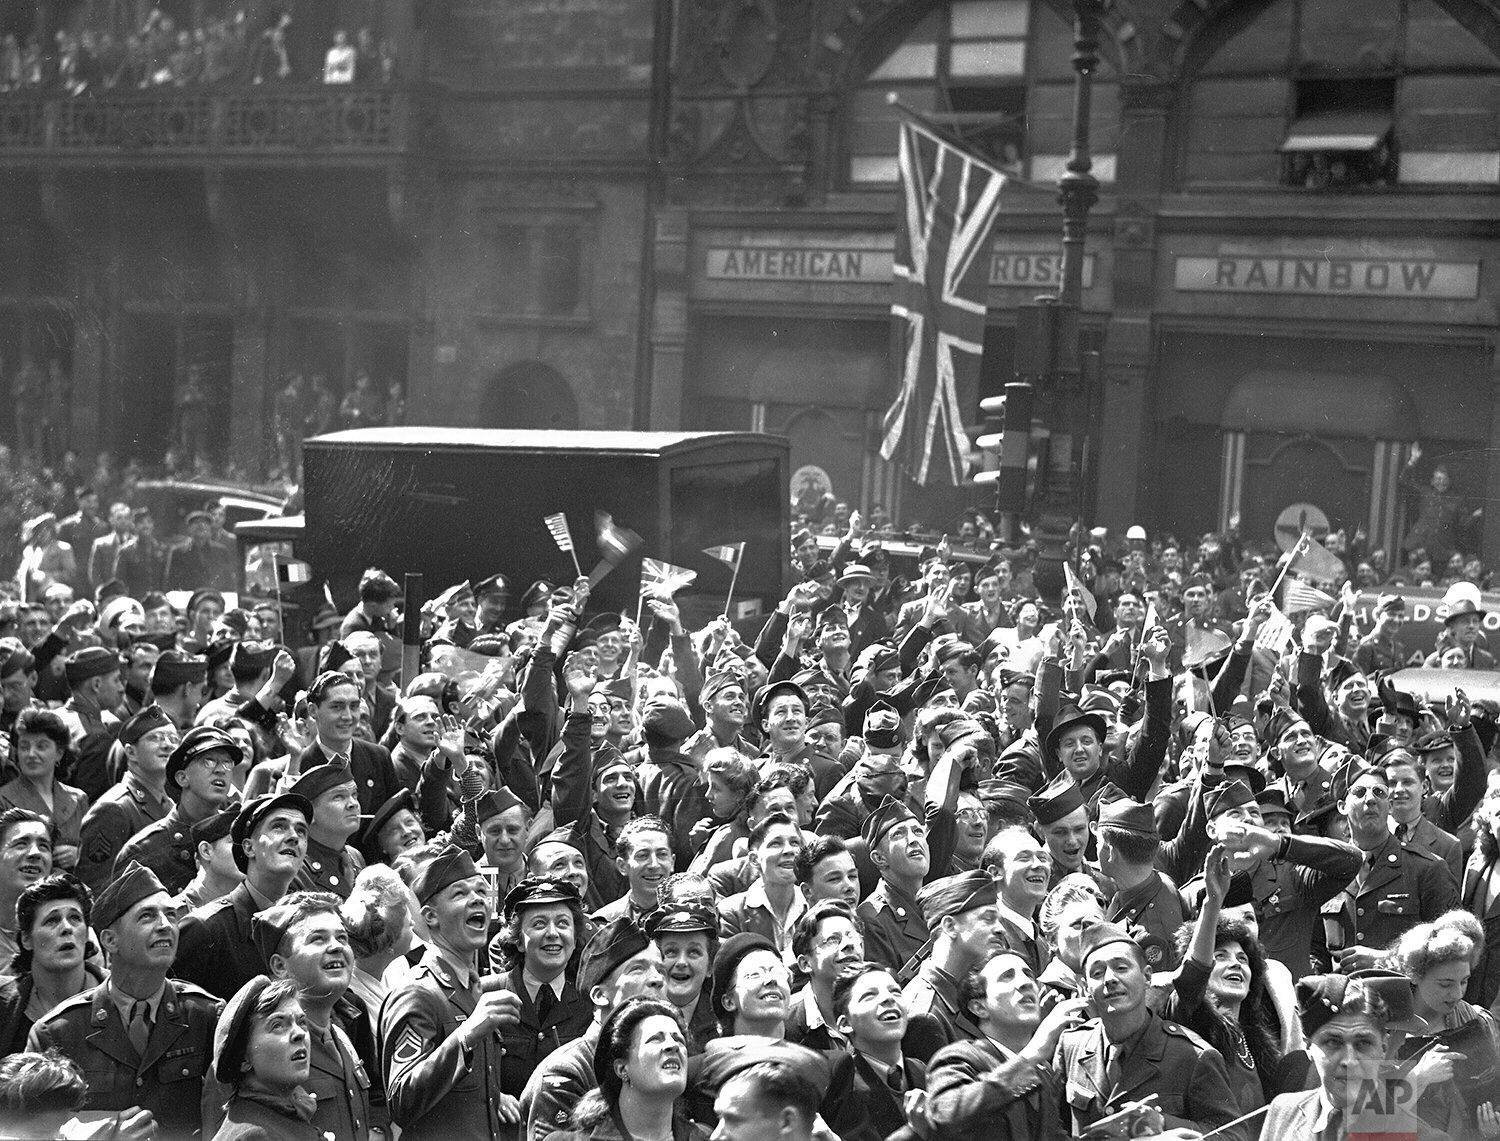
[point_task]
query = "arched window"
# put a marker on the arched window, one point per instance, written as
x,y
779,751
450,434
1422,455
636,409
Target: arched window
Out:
x,y
529,394
999,74
1342,95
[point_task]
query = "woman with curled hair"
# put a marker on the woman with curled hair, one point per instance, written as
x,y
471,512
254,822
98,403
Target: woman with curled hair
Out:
x,y
1461,1051
640,1065
262,1052
41,751
52,925
1220,994
378,919
1073,908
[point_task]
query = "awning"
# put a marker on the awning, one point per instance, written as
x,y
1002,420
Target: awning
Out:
x,y
1360,131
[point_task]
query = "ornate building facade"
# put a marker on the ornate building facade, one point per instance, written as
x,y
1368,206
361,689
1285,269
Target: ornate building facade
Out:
x,y
617,213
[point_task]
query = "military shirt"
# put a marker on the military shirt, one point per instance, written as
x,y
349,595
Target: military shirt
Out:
x,y
328,869
894,928
1394,890
127,808
165,847
935,992
1155,905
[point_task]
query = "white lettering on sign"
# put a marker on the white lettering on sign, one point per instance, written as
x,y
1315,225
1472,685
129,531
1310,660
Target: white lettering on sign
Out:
x,y
1025,268
762,263
1350,277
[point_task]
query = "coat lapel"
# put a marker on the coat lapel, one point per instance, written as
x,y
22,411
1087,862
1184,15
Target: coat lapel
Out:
x,y
171,1024
108,1034
1141,1066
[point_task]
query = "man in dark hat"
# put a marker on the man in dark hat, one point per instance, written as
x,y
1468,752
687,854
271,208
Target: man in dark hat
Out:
x,y
1463,624
215,948
1128,849
1286,878
144,1040
1382,651
876,775
543,923
490,598
334,701
1396,887
440,1032
198,778
963,915
331,862
217,873
669,780
136,801
619,962
781,710
303,938
95,689
1130,1053
1062,819
177,685
688,936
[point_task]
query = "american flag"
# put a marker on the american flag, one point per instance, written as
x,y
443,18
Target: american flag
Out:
x,y
949,201
558,525
1297,596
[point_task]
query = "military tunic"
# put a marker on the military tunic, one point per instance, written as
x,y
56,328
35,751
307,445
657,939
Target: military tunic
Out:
x,y
337,1078
328,869
934,992
167,1079
1155,905
535,1037
214,947
1186,1074
437,1090
894,928
127,808
167,848
1395,889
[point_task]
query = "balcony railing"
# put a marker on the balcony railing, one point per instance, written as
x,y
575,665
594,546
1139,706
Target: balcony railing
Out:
x,y
244,121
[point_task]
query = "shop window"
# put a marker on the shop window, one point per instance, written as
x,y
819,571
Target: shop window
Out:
x,y
537,269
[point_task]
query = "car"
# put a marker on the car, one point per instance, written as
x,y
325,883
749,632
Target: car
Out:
x,y
171,501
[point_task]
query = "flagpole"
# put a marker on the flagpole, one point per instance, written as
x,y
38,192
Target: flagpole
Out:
x,y
276,581
944,132
733,578
1296,549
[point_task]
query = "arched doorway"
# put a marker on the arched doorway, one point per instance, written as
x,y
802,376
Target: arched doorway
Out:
x,y
529,394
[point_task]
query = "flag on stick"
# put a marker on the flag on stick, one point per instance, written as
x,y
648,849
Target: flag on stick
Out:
x,y
1275,633
663,580
728,554
949,201
616,544
1297,596
1313,560
1076,588
291,572
558,525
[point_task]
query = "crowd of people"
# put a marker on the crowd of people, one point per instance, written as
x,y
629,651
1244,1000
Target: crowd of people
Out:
x,y
91,60
945,861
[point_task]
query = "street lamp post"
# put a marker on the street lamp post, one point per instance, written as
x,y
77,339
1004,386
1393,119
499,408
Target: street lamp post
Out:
x,y
1059,475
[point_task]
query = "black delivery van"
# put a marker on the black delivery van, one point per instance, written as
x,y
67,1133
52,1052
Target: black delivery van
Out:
x,y
464,503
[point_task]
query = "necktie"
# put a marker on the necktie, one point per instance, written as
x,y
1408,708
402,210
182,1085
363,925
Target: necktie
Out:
x,y
895,1077
139,1029
1402,831
1112,1070
1334,1130
544,1000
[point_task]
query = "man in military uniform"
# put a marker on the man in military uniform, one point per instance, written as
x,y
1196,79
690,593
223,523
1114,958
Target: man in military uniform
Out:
x,y
1196,624
93,676
1128,848
895,931
543,922
457,606
213,850
1130,1053
490,597
1381,651
962,912
1395,889
215,948
137,801
1286,877
440,1043
1305,783
303,938
332,862
197,777
142,1040
1062,819
177,684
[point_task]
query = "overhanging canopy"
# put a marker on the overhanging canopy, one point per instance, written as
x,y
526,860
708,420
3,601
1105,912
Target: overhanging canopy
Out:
x,y
1358,131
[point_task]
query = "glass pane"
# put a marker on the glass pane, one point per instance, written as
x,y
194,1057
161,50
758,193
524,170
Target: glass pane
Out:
x,y
559,258
872,168
981,19
909,61
997,59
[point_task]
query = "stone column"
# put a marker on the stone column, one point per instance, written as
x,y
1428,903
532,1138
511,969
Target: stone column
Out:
x,y
669,307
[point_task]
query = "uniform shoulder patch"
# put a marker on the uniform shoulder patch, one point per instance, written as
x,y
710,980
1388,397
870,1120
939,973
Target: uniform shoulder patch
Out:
x,y
98,848
409,1047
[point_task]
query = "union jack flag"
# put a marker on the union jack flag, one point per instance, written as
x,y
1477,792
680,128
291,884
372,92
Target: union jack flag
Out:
x,y
949,202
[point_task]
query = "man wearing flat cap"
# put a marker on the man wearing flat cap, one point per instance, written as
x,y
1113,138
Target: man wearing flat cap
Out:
x,y
95,686
332,862
1130,1053
198,778
543,924
138,800
440,1031
215,947
142,1040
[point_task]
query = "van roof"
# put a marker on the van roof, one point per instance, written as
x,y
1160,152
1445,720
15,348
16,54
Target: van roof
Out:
x,y
543,440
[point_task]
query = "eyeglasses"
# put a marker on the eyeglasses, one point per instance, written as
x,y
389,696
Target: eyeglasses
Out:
x,y
214,763
758,975
971,815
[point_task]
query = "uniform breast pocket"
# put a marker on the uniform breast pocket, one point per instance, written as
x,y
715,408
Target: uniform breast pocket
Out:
x,y
1402,904
1081,1096
182,1067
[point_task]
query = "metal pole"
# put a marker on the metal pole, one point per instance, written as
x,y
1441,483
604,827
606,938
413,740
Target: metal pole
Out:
x,y
411,630
1078,189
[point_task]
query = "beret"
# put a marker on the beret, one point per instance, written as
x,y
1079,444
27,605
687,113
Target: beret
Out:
x,y
252,812
232,1032
123,892
954,895
612,945
217,653
15,658
450,866
92,661
148,719
196,742
668,717
533,891
317,780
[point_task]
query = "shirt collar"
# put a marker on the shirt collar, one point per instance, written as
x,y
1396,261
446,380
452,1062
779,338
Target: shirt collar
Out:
x,y
534,985
755,896
1024,922
124,1002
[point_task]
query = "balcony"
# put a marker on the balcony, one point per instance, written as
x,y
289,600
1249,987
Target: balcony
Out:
x,y
326,125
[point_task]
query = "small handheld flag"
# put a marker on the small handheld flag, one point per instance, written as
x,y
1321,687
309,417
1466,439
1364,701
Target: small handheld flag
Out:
x,y
558,525
663,580
1076,588
728,554
1297,596
291,572
1275,633
616,544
